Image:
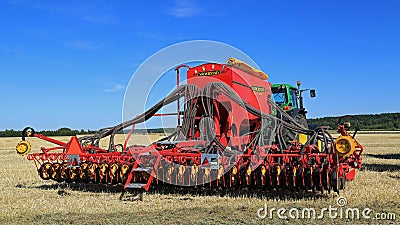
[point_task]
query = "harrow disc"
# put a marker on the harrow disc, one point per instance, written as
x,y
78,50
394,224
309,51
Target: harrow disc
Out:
x,y
220,176
103,170
63,173
316,177
291,178
282,177
44,171
92,172
335,180
259,174
72,174
275,177
55,172
124,172
181,173
159,175
300,178
82,172
248,176
113,173
194,170
169,173
234,178
308,178
207,176
326,183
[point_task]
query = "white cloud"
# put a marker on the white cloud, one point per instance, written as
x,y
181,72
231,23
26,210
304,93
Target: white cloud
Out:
x,y
182,9
117,87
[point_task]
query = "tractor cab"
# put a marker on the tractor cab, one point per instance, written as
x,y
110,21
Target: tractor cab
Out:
x,y
285,95
288,97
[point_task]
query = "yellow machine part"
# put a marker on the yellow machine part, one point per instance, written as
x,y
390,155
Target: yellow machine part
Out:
x,y
303,138
248,171
319,144
221,172
193,172
23,147
278,170
234,170
345,146
263,170
247,68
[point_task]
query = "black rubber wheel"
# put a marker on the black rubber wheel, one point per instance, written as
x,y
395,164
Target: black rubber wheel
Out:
x,y
289,136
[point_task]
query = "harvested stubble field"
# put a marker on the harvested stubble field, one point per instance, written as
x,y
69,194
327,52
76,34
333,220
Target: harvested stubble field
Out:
x,y
26,199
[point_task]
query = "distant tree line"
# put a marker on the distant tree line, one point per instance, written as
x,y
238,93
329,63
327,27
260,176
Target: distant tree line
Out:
x,y
68,132
60,132
154,131
373,122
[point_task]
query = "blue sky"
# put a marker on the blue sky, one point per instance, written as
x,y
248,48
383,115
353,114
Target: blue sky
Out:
x,y
67,63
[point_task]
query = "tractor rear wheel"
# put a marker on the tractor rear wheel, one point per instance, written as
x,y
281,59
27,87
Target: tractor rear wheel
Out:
x,y
301,119
289,136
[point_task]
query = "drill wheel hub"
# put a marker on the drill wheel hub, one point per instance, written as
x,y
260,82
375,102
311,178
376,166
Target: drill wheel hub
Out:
x,y
345,146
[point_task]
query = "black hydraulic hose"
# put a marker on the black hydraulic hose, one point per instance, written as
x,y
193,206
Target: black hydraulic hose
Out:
x,y
193,92
293,125
111,131
174,96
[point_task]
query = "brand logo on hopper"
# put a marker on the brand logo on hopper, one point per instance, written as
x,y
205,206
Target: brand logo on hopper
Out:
x,y
208,73
258,89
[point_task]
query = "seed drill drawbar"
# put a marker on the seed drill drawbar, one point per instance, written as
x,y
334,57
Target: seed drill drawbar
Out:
x,y
231,135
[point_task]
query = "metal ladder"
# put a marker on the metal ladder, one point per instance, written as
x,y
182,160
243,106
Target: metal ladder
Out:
x,y
136,168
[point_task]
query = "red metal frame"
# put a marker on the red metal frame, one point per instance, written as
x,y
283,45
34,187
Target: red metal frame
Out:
x,y
280,165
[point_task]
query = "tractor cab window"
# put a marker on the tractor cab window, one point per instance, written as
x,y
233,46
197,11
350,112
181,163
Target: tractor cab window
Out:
x,y
293,97
279,95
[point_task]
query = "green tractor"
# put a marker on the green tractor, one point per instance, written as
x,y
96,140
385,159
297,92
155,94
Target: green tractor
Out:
x,y
290,99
